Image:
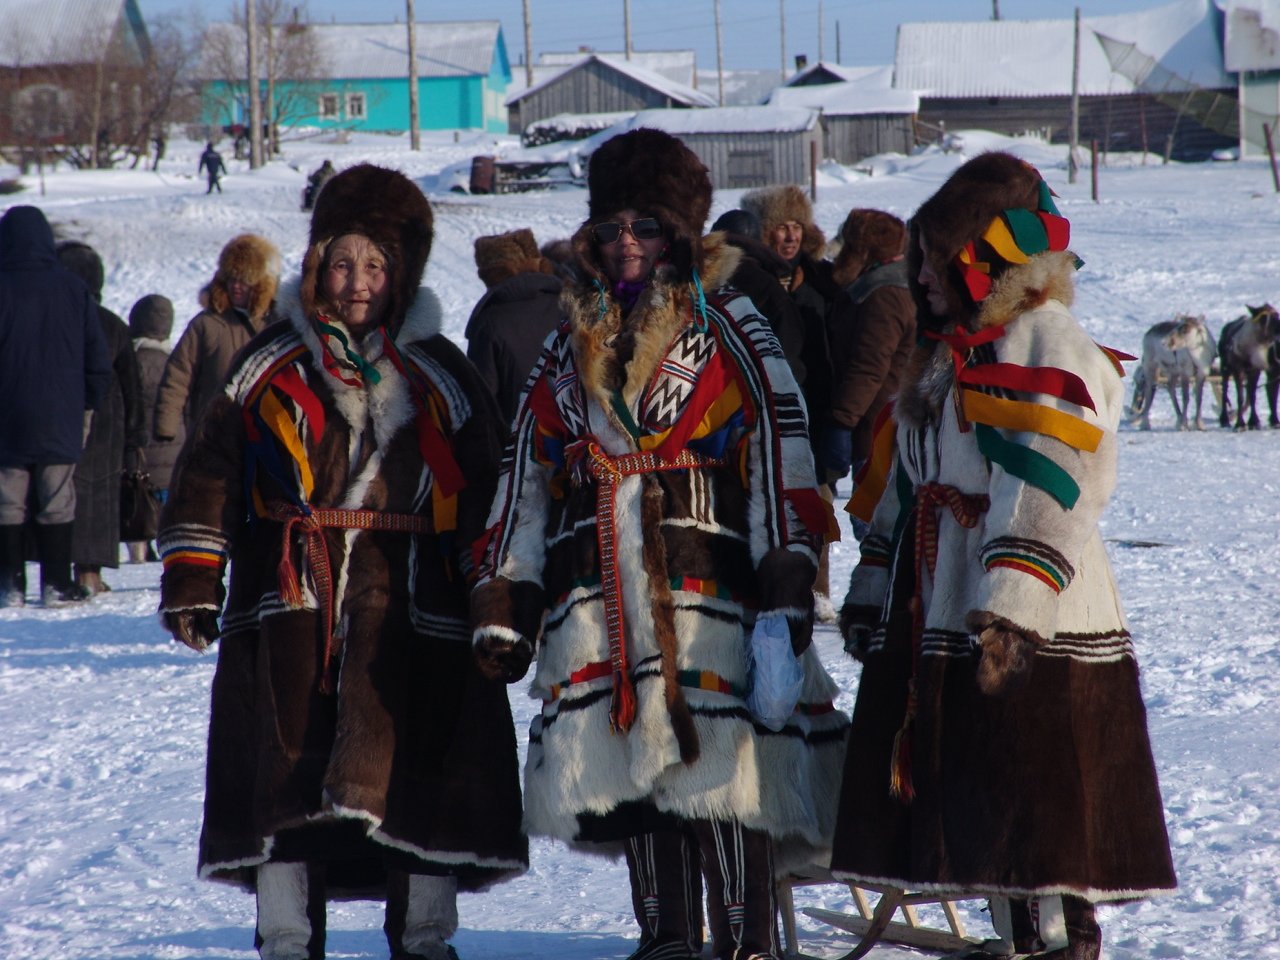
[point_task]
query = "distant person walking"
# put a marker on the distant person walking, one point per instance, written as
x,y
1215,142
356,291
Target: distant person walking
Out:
x,y
53,373
213,167
315,183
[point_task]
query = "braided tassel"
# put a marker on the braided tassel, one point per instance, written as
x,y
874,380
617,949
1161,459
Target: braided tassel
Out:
x,y
900,784
622,709
290,584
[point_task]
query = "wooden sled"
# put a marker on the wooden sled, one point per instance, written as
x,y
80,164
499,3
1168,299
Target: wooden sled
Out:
x,y
873,926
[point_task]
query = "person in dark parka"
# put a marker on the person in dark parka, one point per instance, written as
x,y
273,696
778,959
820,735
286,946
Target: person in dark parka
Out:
x,y
761,275
53,373
511,321
150,324
115,439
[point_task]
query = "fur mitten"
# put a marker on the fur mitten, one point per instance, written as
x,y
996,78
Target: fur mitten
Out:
x,y
857,621
196,629
500,658
1005,652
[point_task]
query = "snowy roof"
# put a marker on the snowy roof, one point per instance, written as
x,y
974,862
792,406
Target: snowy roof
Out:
x,y
871,93
371,50
1252,34
1025,58
678,65
845,73
669,88
67,31
723,120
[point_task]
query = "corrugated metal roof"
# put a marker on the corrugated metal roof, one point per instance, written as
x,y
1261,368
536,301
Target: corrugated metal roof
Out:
x,y
378,50
669,88
724,120
36,32
678,65
1021,58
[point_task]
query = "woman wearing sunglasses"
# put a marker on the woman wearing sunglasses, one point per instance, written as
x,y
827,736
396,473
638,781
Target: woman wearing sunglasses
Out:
x,y
658,501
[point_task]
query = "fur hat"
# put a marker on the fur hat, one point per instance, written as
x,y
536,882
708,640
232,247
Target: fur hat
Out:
x,y
151,317
960,212
868,237
778,205
253,260
505,255
83,261
389,209
656,175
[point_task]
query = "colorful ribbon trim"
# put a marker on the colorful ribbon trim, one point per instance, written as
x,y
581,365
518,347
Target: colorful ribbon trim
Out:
x,y
1024,416
1028,564
1015,236
873,477
1028,465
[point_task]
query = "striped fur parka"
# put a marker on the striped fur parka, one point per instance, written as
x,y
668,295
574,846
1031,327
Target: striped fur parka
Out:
x,y
1049,788
376,744
698,554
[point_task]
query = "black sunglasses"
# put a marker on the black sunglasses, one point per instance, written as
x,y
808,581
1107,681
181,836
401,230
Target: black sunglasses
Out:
x,y
646,228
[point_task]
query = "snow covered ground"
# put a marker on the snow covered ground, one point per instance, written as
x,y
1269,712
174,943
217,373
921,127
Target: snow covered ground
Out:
x,y
102,717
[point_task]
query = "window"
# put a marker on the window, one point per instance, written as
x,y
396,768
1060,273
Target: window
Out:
x,y
355,106
328,106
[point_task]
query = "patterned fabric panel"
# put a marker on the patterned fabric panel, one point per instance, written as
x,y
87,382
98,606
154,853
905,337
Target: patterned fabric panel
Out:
x,y
194,544
1033,557
674,382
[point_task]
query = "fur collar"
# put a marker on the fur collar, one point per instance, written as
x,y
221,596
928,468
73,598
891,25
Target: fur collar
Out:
x,y
149,343
614,353
930,374
424,320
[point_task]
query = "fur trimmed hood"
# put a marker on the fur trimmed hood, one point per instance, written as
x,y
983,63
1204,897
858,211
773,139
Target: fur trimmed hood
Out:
x,y
253,260
777,205
1022,288
664,309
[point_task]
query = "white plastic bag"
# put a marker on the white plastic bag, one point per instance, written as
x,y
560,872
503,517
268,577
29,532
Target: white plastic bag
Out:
x,y
776,673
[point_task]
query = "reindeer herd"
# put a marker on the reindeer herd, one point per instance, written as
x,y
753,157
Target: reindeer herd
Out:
x,y
1182,354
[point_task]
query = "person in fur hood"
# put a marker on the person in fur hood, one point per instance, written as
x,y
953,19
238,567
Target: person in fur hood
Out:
x,y
235,306
999,742
354,748
657,499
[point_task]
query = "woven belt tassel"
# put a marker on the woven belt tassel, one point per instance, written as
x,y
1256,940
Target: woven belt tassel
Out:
x,y
966,508
311,525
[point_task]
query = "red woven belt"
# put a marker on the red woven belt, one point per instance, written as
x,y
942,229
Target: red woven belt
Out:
x,y
311,526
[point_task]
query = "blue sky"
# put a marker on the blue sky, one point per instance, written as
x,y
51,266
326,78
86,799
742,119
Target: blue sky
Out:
x,y
750,27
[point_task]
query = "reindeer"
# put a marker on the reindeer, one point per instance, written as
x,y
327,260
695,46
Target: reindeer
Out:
x,y
1182,351
1245,346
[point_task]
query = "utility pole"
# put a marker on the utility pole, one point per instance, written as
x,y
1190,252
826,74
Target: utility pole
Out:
x,y
719,54
528,46
1073,161
626,24
415,134
782,36
255,98
837,41
995,9
820,18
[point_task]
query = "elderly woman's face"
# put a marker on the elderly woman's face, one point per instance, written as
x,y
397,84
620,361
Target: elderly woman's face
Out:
x,y
932,283
630,259
357,282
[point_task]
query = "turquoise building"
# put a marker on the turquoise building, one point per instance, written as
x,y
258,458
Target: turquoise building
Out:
x,y
355,76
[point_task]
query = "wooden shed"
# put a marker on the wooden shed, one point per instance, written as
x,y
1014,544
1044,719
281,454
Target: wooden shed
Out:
x,y
1015,76
600,84
860,117
741,146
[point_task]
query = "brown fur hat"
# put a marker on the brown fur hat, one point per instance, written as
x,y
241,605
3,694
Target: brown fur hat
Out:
x,y
389,209
253,260
868,237
656,175
778,205
505,255
961,211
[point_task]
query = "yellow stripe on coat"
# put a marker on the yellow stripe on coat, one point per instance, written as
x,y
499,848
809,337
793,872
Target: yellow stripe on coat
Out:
x,y
1024,415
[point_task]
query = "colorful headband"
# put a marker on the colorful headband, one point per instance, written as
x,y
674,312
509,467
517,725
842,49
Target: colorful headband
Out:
x,y
1016,236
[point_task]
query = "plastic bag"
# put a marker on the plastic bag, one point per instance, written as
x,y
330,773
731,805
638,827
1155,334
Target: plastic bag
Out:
x,y
776,672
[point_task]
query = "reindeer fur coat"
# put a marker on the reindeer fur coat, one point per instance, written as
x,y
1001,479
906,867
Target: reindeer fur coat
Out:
x,y
699,553
411,761
1050,788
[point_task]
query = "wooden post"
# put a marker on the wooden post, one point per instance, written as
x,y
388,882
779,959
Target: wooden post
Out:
x,y
719,54
1271,152
819,31
1073,159
528,46
255,95
813,169
782,36
415,136
1093,167
626,26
